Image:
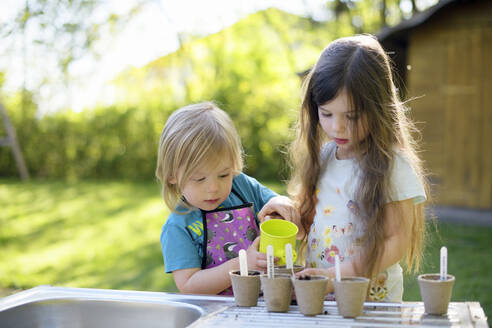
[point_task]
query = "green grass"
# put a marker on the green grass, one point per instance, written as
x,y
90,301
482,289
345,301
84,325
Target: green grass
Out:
x,y
85,234
106,235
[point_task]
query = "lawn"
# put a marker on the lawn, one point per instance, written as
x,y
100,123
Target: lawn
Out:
x,y
105,234
87,234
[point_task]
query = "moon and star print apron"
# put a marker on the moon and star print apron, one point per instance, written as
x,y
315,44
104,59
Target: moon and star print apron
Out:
x,y
226,231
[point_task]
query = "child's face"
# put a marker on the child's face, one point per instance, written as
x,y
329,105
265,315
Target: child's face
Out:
x,y
336,119
209,185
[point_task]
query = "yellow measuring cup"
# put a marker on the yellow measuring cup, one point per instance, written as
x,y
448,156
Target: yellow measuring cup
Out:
x,y
278,233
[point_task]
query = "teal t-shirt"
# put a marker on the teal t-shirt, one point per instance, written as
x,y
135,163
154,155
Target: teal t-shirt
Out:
x,y
182,234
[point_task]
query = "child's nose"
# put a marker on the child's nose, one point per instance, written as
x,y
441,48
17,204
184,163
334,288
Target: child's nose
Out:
x,y
338,124
212,186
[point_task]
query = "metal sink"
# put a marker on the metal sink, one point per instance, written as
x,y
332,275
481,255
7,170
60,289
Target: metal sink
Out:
x,y
79,308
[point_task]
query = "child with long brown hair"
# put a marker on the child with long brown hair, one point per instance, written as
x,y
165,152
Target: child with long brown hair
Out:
x,y
357,178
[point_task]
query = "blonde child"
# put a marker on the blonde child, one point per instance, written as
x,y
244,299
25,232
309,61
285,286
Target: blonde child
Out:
x,y
357,178
213,204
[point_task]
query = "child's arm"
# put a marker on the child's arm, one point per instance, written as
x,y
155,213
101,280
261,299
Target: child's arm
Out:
x,y
280,205
399,219
216,279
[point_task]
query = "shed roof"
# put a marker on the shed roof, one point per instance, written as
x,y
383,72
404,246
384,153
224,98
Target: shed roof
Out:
x,y
401,30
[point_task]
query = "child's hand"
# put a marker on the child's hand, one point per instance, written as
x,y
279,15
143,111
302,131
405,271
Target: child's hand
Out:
x,y
256,260
280,206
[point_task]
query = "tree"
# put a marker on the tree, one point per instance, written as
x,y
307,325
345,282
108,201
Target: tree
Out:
x,y
368,16
51,35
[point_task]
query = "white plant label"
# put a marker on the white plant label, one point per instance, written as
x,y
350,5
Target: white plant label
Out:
x,y
444,263
338,275
243,263
289,262
270,266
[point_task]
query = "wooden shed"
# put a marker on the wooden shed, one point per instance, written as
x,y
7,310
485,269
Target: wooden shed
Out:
x,y
444,58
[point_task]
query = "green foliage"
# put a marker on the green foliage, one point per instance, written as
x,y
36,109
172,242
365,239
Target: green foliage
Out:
x,y
65,29
104,142
250,69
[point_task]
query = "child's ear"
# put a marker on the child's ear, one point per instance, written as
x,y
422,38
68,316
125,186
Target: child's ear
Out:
x,y
172,180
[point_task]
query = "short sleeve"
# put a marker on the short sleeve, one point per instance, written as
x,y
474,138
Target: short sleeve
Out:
x,y
263,194
405,183
178,249
253,191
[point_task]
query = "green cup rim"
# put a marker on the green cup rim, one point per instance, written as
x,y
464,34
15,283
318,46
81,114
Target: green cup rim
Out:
x,y
291,225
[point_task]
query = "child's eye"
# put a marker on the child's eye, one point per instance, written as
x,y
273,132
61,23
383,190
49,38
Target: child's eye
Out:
x,y
325,114
224,175
199,179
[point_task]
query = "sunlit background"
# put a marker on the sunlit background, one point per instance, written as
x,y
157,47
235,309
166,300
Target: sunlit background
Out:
x,y
88,86
152,30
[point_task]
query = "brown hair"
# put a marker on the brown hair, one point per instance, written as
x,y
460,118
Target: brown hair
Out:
x,y
359,66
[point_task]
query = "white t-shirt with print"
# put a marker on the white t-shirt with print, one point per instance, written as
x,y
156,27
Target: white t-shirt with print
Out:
x,y
336,227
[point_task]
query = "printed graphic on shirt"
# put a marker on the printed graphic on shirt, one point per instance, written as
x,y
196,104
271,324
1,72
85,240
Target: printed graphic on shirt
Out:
x,y
196,228
327,237
328,210
378,290
352,206
329,254
325,247
314,244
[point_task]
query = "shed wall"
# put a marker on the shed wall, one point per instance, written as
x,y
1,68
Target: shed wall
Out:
x,y
450,71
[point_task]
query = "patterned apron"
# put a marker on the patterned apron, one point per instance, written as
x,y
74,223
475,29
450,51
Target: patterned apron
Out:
x,y
226,231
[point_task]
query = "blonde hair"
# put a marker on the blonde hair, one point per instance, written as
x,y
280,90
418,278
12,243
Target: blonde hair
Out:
x,y
359,66
194,135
